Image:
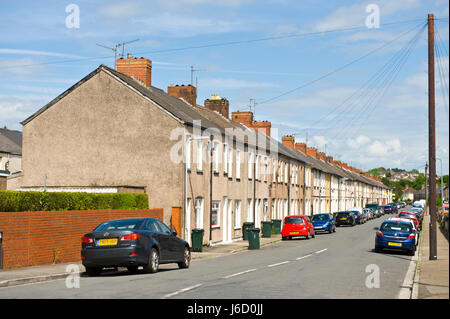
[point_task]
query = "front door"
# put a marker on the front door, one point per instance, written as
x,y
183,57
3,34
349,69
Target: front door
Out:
x,y
176,220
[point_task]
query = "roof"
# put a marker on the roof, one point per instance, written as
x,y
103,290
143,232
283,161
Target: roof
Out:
x,y
10,141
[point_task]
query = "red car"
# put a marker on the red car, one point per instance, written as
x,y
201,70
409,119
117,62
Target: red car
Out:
x,y
410,215
297,225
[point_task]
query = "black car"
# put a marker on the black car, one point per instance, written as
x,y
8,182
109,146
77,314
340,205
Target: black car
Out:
x,y
345,218
131,243
390,209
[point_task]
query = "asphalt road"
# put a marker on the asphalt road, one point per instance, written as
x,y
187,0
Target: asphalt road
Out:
x,y
338,265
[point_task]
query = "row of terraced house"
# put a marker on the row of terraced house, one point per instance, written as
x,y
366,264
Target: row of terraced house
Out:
x,y
114,132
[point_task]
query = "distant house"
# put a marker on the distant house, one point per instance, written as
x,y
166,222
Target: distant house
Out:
x,y
408,194
10,154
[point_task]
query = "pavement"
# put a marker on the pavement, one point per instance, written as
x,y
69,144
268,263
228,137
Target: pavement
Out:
x,y
432,276
34,274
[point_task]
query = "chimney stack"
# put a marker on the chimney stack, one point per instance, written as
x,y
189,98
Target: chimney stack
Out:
x,y
288,141
263,126
138,68
218,104
311,151
321,155
300,147
187,92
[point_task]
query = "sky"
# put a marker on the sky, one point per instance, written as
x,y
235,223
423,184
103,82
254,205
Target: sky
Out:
x,y
323,71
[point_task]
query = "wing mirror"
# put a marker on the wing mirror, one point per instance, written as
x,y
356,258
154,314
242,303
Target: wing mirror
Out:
x,y
376,228
174,231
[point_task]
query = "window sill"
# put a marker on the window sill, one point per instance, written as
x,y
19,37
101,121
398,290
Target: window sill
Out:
x,y
199,171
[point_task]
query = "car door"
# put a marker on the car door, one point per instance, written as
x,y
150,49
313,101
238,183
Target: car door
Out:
x,y
161,238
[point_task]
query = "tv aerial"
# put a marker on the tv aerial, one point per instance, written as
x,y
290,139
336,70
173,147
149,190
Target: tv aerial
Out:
x,y
116,48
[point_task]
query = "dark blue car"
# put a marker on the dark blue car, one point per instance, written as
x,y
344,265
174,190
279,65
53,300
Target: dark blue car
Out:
x,y
324,222
396,235
358,217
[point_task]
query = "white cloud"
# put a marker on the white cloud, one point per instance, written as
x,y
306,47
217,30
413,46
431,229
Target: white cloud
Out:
x,y
381,149
36,52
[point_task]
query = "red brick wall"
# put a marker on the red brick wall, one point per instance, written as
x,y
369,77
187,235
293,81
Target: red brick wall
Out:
x,y
36,238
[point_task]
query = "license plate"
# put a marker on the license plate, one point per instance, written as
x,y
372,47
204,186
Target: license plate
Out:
x,y
294,233
343,218
395,244
107,242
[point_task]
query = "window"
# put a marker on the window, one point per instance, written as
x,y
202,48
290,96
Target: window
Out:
x,y
199,155
216,157
249,210
286,178
250,165
237,214
215,213
238,164
230,162
163,228
257,167
198,213
225,158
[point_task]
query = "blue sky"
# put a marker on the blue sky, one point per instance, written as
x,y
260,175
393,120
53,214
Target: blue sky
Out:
x,y
389,132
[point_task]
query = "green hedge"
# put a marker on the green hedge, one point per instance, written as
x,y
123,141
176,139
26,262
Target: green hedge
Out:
x,y
22,201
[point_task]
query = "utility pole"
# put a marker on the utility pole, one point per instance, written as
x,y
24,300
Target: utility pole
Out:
x,y
432,138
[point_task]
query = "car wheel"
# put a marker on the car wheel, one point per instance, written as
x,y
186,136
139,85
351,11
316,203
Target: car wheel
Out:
x,y
412,252
378,249
307,236
186,259
153,261
93,271
313,234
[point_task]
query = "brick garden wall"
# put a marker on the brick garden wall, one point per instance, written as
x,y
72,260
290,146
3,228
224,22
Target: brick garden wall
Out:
x,y
36,238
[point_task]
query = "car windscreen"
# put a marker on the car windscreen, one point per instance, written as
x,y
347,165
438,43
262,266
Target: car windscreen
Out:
x,y
128,224
293,220
355,212
395,226
321,217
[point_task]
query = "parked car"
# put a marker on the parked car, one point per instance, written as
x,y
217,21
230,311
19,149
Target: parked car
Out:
x,y
418,205
369,212
324,222
402,204
296,226
345,218
132,243
394,207
419,213
396,235
389,209
412,216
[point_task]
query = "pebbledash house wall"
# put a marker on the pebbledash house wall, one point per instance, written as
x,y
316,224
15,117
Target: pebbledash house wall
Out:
x,y
102,133
37,238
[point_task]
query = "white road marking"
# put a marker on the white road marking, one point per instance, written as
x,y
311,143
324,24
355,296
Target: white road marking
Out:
x,y
284,262
303,257
321,251
181,291
239,273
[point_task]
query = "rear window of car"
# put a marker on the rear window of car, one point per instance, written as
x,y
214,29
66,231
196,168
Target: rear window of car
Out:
x,y
119,225
396,226
343,214
293,220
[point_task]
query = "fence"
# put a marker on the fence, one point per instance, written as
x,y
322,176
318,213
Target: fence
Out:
x,y
36,238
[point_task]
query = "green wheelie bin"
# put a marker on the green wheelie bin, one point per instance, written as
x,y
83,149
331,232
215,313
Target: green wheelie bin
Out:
x,y
245,227
276,226
253,238
197,239
266,229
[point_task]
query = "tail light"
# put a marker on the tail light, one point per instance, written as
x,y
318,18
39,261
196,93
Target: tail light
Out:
x,y
380,234
87,240
411,236
134,236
